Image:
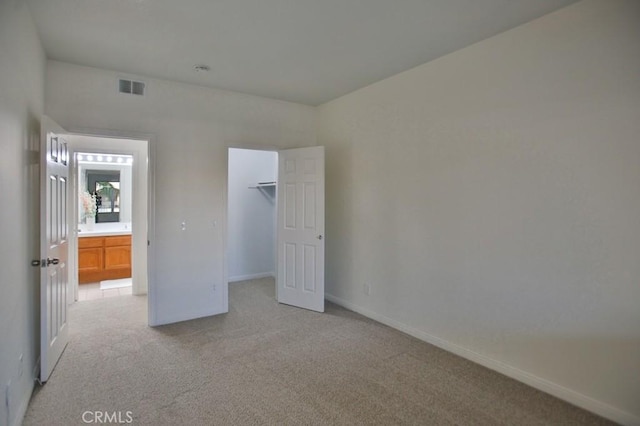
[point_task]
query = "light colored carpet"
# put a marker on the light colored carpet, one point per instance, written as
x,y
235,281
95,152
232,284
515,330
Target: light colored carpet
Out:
x,y
270,364
120,283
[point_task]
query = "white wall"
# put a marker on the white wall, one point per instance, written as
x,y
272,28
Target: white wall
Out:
x,y
191,128
22,63
251,240
491,198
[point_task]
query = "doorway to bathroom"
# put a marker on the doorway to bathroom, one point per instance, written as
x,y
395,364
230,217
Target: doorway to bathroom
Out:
x,y
105,186
108,250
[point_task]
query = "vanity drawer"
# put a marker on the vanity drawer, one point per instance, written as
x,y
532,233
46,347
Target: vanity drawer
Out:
x,y
124,240
90,242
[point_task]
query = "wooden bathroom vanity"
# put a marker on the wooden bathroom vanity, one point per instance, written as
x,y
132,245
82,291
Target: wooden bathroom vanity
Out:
x,y
105,257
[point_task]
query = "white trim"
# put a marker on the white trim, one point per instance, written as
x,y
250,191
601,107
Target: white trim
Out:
x,y
571,396
251,276
152,314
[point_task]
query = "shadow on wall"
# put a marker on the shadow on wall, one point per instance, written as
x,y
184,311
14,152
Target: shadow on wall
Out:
x,y
32,172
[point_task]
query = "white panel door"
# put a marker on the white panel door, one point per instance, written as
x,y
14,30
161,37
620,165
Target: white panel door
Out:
x,y
300,235
54,246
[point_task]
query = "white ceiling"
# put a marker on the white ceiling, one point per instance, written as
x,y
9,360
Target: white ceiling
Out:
x,y
307,51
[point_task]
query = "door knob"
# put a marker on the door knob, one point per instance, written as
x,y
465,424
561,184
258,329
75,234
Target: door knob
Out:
x,y
53,261
319,237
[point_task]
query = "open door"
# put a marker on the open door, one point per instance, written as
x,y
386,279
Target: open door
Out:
x,y
54,246
300,232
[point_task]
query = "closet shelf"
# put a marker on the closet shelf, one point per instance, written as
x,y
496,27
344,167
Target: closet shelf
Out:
x,y
263,185
268,189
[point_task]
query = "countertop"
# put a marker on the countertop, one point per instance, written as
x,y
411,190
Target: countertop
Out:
x,y
104,229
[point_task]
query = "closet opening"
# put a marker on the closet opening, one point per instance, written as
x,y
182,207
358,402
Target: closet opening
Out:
x,y
252,206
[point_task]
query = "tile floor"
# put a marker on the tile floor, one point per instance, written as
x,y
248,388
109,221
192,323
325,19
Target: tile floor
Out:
x,y
91,291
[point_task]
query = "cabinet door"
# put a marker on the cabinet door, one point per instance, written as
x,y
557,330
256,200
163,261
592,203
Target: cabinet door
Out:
x,y
90,264
90,259
117,257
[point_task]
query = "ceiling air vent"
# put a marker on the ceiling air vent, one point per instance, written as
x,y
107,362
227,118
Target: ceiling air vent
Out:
x,y
131,87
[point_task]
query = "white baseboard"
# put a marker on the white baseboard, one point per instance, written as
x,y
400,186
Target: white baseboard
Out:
x,y
251,276
571,396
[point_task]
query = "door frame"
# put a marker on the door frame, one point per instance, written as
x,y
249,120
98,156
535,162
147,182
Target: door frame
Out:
x,y
138,238
225,224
